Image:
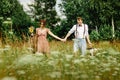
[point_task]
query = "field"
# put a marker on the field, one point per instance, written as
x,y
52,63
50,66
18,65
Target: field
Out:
x,y
17,62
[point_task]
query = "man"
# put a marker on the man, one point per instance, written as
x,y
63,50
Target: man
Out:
x,y
81,35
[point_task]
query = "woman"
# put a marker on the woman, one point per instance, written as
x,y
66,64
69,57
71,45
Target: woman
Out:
x,y
41,38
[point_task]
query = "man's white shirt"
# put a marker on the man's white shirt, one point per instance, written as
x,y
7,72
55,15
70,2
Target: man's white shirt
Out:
x,y
79,31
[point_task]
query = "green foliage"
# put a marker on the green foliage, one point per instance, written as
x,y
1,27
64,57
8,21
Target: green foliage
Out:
x,y
45,9
61,30
6,8
102,10
94,36
117,34
6,30
95,13
73,9
20,20
18,63
117,30
105,32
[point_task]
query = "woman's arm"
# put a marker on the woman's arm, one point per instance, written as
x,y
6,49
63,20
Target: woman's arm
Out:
x,y
50,33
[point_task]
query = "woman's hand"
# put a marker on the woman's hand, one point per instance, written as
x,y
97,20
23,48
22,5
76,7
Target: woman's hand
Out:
x,y
64,40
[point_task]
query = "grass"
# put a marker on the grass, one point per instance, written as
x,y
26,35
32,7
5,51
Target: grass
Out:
x,y
18,63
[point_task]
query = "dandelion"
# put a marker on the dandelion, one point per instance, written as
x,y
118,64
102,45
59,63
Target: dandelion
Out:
x,y
31,29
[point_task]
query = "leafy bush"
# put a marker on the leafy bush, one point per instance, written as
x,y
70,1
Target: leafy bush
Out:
x,y
94,35
117,34
105,32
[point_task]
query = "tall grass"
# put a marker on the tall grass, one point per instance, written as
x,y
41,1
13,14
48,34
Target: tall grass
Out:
x,y
17,62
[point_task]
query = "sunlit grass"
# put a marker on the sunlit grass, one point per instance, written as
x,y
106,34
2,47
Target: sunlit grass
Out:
x,y
17,62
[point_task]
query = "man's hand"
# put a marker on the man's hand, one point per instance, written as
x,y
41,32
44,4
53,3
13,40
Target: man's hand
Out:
x,y
64,40
90,45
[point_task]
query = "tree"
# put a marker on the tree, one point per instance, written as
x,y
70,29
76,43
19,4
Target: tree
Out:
x,y
95,13
106,11
72,9
45,9
14,10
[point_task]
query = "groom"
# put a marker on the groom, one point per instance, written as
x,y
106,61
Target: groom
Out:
x,y
81,35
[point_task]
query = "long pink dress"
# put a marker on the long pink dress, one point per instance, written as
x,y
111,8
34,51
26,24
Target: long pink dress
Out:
x,y
42,42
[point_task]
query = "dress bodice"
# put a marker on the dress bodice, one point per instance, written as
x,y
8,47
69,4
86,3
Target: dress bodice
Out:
x,y
41,32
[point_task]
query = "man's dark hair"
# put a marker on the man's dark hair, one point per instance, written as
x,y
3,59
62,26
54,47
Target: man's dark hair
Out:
x,y
79,18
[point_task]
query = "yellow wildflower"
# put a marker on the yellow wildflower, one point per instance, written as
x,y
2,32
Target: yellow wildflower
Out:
x,y
31,29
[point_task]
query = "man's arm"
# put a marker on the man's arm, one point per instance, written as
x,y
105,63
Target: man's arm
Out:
x,y
68,34
88,40
87,36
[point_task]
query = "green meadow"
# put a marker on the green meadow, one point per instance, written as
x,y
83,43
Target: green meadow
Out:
x,y
17,62
19,20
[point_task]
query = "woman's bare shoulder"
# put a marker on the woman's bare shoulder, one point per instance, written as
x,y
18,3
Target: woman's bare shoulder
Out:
x,y
47,29
37,28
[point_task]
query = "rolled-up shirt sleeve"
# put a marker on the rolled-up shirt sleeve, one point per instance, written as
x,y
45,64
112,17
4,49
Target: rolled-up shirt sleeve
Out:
x,y
72,29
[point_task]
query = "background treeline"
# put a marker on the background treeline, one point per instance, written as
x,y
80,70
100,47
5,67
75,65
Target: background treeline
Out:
x,y
13,16
101,16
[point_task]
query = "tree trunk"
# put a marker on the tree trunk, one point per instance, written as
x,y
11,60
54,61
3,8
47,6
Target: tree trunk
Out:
x,y
96,29
113,28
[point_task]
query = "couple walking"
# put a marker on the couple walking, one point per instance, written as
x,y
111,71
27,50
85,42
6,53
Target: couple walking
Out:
x,y
81,35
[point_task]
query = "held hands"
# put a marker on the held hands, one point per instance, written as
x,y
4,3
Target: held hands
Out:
x,y
63,40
